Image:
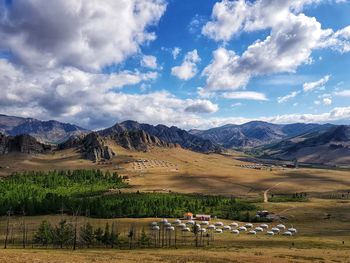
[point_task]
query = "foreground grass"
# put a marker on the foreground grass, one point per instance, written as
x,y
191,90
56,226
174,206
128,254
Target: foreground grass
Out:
x,y
262,254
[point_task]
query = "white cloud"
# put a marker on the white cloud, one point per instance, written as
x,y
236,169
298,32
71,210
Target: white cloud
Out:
x,y
92,100
175,52
227,19
238,104
343,93
287,97
244,95
188,68
311,86
327,101
340,114
149,62
201,106
224,72
84,34
293,36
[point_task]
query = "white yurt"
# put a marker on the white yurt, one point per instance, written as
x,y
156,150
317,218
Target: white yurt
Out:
x,y
182,225
248,225
275,229
281,226
242,228
270,233
211,227
264,226
235,231
252,232
292,230
259,229
177,221
219,224
226,228
233,224
287,233
155,228
218,231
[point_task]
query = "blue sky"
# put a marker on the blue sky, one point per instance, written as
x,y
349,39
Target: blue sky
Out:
x,y
236,61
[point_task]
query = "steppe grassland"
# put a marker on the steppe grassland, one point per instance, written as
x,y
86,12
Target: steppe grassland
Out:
x,y
190,172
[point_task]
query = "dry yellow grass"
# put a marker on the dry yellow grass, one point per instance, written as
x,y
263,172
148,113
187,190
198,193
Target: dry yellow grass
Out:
x,y
264,254
319,239
190,172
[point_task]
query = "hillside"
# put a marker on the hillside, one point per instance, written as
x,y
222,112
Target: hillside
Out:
x,y
44,131
255,133
328,147
21,144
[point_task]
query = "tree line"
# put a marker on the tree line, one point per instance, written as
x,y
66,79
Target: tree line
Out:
x,y
41,193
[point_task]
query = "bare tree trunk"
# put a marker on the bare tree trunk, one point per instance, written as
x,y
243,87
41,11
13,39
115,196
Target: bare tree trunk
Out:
x,y
75,231
24,230
7,228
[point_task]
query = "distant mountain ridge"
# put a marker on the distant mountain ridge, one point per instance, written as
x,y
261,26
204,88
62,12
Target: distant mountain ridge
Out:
x,y
331,146
256,133
306,142
44,131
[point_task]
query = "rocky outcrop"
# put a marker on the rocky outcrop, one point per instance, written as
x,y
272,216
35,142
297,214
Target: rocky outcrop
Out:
x,y
171,135
139,140
93,148
21,144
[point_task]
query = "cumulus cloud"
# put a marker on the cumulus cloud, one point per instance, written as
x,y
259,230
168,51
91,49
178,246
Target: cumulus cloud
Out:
x,y
244,95
83,34
339,40
93,100
319,84
188,68
287,97
224,72
293,36
149,62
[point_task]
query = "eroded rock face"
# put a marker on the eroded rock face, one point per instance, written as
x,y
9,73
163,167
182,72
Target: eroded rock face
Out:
x,y
171,135
21,144
139,140
93,148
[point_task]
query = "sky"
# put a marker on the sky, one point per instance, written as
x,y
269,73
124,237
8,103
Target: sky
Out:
x,y
191,64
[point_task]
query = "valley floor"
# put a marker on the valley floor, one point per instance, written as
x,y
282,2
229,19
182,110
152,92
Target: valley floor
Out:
x,y
261,254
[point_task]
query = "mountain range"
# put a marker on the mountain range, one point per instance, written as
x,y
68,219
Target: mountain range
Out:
x,y
256,133
44,131
310,143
